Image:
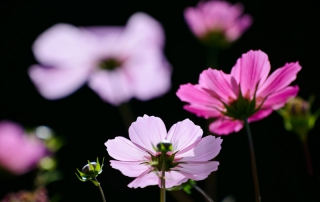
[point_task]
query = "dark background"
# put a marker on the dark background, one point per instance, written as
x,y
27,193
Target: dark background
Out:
x,y
286,32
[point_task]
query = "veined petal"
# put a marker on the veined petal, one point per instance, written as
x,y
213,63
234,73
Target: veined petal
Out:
x,y
61,45
184,134
262,113
145,179
123,149
54,83
205,150
252,68
147,132
198,170
111,86
219,83
279,79
203,111
129,168
279,99
173,178
225,126
196,95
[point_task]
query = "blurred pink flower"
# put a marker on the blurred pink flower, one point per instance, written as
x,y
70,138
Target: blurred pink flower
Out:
x,y
117,62
217,17
247,92
18,152
139,157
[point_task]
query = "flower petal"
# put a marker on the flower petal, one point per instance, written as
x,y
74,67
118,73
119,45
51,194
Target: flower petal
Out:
x,y
262,113
203,111
145,179
149,74
225,126
195,21
54,83
198,170
184,134
129,168
62,44
147,132
173,178
111,86
252,68
194,94
208,148
279,79
124,150
279,99
218,82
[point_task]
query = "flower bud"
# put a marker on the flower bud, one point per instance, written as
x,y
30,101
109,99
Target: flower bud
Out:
x,y
164,146
90,172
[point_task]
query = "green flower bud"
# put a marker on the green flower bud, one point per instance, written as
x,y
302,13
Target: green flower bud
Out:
x,y
90,172
297,116
164,146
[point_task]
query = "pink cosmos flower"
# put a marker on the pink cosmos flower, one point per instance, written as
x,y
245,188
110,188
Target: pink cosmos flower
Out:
x,y
117,62
18,152
188,157
217,17
246,93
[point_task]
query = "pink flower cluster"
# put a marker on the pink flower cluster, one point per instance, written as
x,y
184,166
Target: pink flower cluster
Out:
x,y
18,152
118,63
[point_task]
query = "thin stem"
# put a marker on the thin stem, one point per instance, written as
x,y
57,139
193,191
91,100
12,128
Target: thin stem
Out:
x,y
212,57
101,191
126,114
307,156
163,181
204,194
253,163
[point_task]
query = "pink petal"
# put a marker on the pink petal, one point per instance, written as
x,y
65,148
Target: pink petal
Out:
x,y
54,83
196,95
279,99
252,68
124,150
218,82
147,132
208,148
225,126
183,135
149,74
262,113
279,79
111,86
130,168
62,45
18,152
198,170
195,21
203,111
145,179
173,178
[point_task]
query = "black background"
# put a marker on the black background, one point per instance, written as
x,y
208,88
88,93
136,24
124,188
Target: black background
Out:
x,y
286,32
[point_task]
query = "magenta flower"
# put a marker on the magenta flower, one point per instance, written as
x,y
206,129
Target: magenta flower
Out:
x,y
118,63
18,152
216,19
246,93
188,156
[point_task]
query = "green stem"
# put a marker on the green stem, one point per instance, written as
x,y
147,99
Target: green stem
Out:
x,y
126,114
101,191
307,156
212,57
253,163
206,196
163,182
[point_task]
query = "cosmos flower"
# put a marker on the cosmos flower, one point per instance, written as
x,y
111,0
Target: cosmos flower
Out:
x,y
187,155
246,93
118,63
217,20
19,153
